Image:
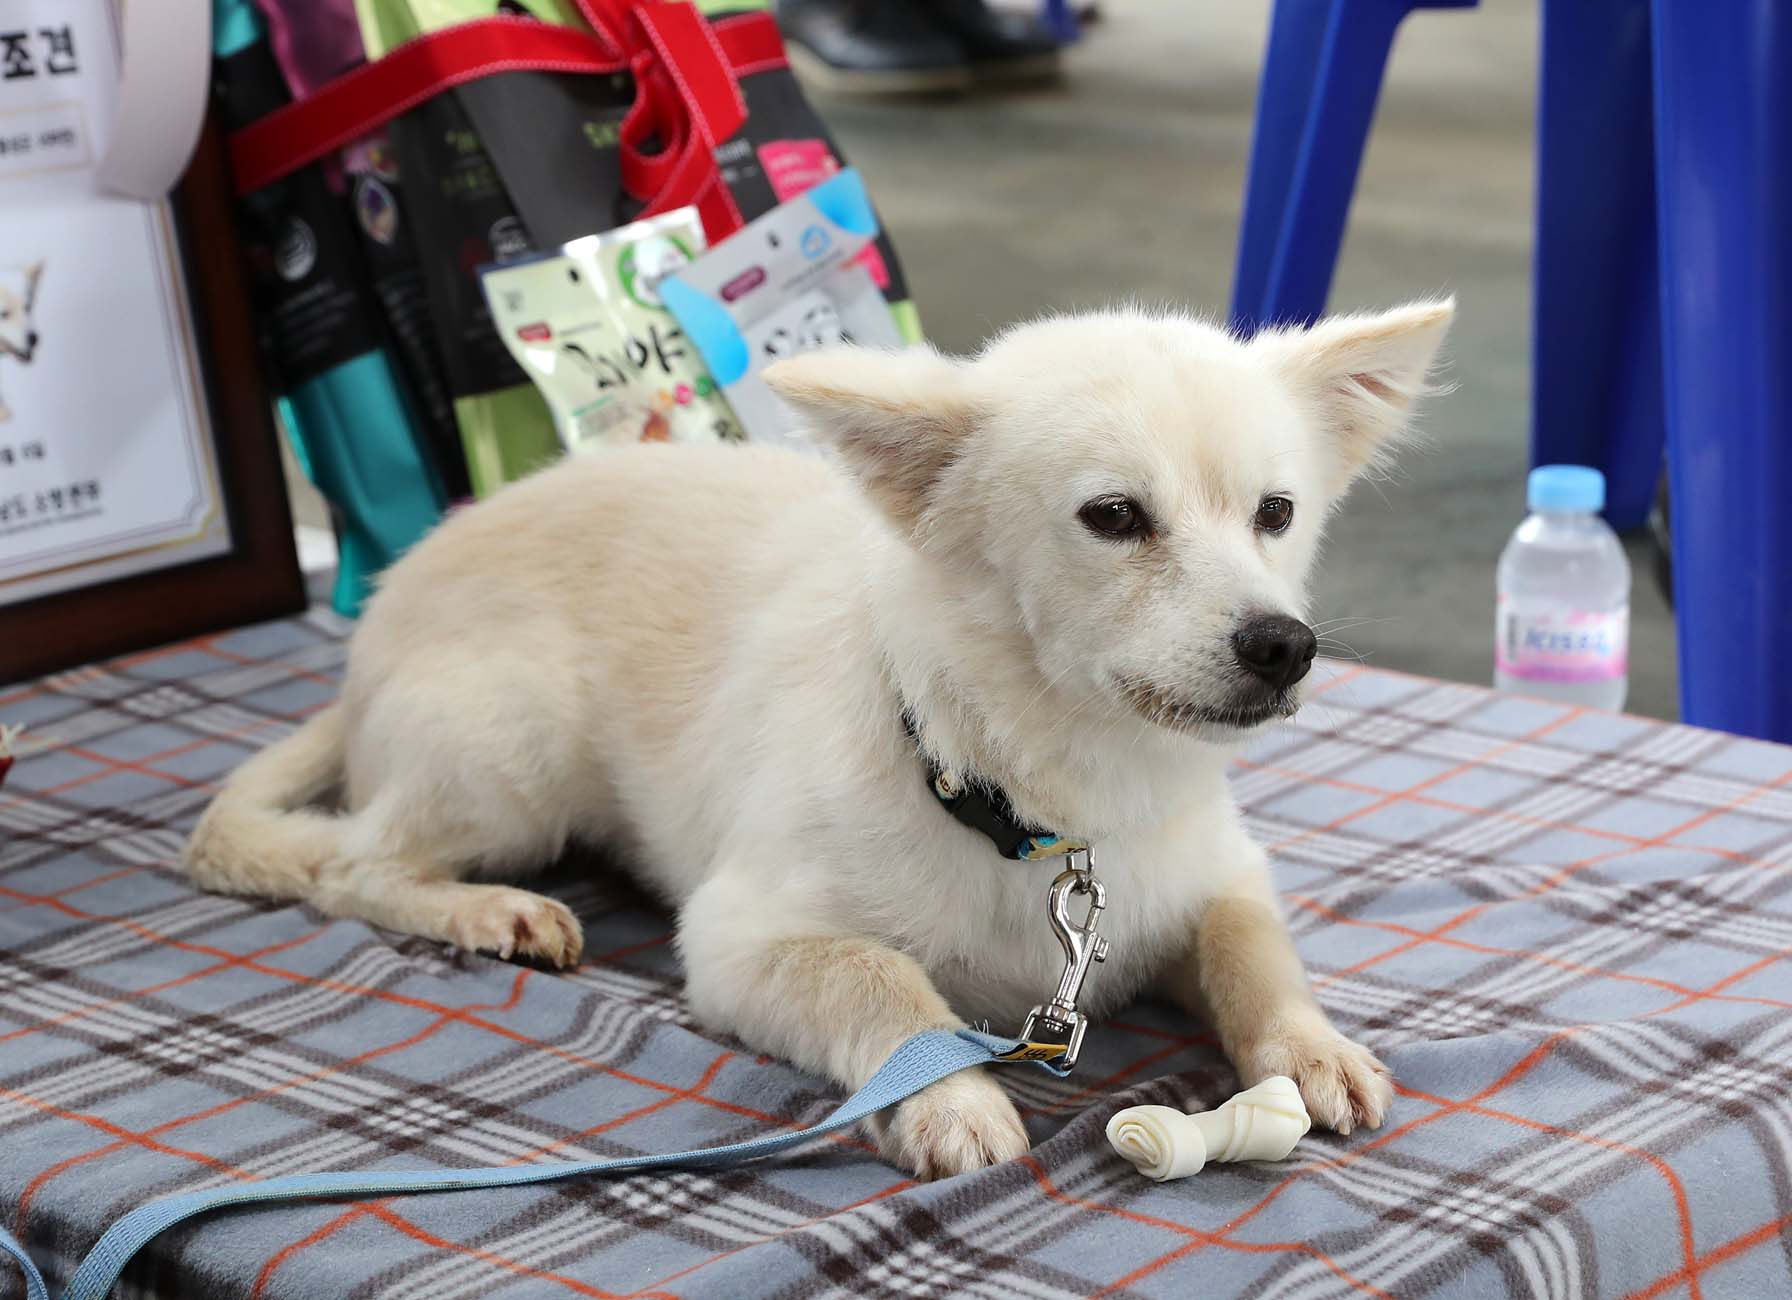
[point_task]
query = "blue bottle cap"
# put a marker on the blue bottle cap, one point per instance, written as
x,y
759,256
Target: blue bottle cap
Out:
x,y
1566,489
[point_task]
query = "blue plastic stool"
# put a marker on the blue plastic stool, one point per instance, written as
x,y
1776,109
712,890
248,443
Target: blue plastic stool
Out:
x,y
1595,316
1321,77
1723,145
1663,307
1061,18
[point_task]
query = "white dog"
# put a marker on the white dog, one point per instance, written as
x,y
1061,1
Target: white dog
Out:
x,y
18,333
1075,562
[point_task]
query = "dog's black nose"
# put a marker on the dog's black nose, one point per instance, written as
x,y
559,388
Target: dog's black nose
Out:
x,y
31,339
1276,648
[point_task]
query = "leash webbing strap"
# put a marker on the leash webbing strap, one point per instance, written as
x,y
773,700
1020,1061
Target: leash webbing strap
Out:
x,y
926,1058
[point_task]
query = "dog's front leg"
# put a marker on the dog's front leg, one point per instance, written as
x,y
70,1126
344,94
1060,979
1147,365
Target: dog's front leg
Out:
x,y
1242,972
768,969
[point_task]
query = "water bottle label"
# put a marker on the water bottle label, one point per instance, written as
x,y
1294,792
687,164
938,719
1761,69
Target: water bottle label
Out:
x,y
1550,644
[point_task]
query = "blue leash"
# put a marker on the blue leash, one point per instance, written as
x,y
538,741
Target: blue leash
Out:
x,y
926,1058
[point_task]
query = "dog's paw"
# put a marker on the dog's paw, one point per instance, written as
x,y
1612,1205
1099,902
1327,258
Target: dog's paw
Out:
x,y
517,923
959,1124
1343,1085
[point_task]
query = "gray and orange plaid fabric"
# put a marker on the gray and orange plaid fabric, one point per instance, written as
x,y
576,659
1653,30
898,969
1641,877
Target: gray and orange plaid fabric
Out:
x,y
1566,932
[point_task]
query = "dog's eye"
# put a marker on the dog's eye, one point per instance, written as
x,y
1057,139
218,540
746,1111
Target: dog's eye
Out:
x,y
1117,517
1274,514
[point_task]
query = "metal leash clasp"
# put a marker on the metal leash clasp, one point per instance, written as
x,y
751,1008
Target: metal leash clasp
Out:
x,y
1058,1023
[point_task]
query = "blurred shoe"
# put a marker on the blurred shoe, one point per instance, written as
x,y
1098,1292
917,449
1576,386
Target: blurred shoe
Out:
x,y
872,47
1003,45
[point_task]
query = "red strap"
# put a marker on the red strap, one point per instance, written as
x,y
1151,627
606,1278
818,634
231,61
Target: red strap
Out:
x,y
373,94
688,49
609,19
655,116
688,96
751,42
682,168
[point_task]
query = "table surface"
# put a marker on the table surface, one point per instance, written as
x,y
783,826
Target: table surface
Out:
x,y
1565,931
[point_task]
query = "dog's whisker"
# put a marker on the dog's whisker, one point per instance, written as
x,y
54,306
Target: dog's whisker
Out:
x,y
1345,622
1069,716
1324,709
1337,647
1037,695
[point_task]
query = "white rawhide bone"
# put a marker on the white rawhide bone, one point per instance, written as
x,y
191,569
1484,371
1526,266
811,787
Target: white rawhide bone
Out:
x,y
1260,1123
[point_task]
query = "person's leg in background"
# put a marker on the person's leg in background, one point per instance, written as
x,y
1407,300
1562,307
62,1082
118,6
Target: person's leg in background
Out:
x,y
896,47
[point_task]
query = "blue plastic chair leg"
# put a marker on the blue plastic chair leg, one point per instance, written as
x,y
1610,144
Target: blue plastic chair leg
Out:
x,y
1723,130
1061,18
1596,332
1284,98
1321,77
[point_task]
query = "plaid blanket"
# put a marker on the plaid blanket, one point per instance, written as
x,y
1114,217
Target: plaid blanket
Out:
x,y
1566,932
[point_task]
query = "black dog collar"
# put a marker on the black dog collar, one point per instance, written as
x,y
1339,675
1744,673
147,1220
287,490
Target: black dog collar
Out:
x,y
984,807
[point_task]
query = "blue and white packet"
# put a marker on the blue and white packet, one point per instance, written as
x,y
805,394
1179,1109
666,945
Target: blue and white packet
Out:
x,y
784,284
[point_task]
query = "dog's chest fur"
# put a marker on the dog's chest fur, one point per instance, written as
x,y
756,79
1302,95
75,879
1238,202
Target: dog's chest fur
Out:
x,y
992,951
868,848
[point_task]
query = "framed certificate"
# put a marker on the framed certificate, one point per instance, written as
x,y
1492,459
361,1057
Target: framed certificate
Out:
x,y
141,497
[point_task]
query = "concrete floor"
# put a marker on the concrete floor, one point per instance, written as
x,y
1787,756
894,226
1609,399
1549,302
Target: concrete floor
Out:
x,y
1125,181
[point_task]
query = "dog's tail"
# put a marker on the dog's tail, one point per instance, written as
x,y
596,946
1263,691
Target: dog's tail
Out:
x,y
258,837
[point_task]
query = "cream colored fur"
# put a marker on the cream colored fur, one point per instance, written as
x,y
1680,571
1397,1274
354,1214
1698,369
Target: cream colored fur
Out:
x,y
702,656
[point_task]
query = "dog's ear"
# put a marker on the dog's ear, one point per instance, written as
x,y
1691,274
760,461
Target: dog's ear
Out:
x,y
896,417
32,274
1364,373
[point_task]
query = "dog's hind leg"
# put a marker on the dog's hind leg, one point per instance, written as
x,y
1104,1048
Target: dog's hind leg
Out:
x,y
416,896
391,875
449,778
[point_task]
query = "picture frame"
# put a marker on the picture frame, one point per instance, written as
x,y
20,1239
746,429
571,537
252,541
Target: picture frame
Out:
x,y
258,577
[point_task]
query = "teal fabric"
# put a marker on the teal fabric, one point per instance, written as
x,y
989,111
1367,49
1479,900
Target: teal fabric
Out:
x,y
359,448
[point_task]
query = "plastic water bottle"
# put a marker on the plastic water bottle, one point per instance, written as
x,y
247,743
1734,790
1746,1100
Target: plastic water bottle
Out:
x,y
1563,631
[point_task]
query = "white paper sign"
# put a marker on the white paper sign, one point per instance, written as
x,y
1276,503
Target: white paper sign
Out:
x,y
107,465
58,96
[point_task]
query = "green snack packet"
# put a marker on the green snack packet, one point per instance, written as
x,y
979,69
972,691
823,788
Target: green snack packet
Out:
x,y
588,325
462,216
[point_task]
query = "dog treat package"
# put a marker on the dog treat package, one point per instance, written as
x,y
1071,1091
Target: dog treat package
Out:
x,y
341,398
792,281
315,41
589,324
520,127
559,147
554,140
463,217
783,149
